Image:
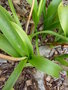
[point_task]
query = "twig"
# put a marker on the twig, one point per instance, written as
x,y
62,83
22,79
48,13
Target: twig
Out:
x,y
30,16
56,44
9,58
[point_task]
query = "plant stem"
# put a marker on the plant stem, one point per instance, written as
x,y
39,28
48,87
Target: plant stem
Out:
x,y
9,58
30,16
37,48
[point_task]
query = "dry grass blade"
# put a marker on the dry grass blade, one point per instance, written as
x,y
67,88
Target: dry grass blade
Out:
x,y
9,58
30,16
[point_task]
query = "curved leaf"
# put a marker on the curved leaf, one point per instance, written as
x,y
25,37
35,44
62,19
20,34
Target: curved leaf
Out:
x,y
6,46
53,7
52,14
61,59
10,33
63,17
45,65
24,38
6,13
14,76
41,7
14,12
50,32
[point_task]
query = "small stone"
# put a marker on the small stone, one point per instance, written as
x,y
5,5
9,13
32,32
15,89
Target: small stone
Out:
x,y
28,82
44,51
3,61
16,1
2,79
48,78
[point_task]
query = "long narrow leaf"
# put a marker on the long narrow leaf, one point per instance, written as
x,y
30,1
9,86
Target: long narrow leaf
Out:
x,y
14,12
14,76
45,65
50,32
53,7
11,35
41,7
63,17
52,12
6,46
61,59
53,25
24,38
6,13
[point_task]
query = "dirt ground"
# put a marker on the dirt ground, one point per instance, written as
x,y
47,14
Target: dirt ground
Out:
x,y
27,80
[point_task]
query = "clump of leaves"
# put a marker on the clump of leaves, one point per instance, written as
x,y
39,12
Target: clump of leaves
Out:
x,y
63,17
15,42
54,16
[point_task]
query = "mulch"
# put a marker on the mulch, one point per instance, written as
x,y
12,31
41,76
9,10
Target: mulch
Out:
x,y
27,81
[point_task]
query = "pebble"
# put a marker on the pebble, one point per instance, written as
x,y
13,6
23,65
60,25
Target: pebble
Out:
x,y
48,78
39,76
28,82
44,51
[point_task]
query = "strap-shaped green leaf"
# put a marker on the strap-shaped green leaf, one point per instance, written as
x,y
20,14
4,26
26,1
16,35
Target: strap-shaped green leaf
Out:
x,y
45,65
52,13
63,17
50,32
6,46
14,12
10,33
53,7
53,25
6,13
41,7
14,76
61,59
24,38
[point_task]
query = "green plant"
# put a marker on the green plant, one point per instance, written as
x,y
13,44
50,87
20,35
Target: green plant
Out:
x,y
50,16
63,17
51,20
15,42
55,16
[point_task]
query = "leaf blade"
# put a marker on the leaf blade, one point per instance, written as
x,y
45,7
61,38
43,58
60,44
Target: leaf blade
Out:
x,y
52,14
45,65
6,13
24,38
14,76
14,12
63,17
50,32
41,4
52,8
61,59
6,46
9,32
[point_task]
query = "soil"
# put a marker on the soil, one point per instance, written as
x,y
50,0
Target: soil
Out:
x,y
27,80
